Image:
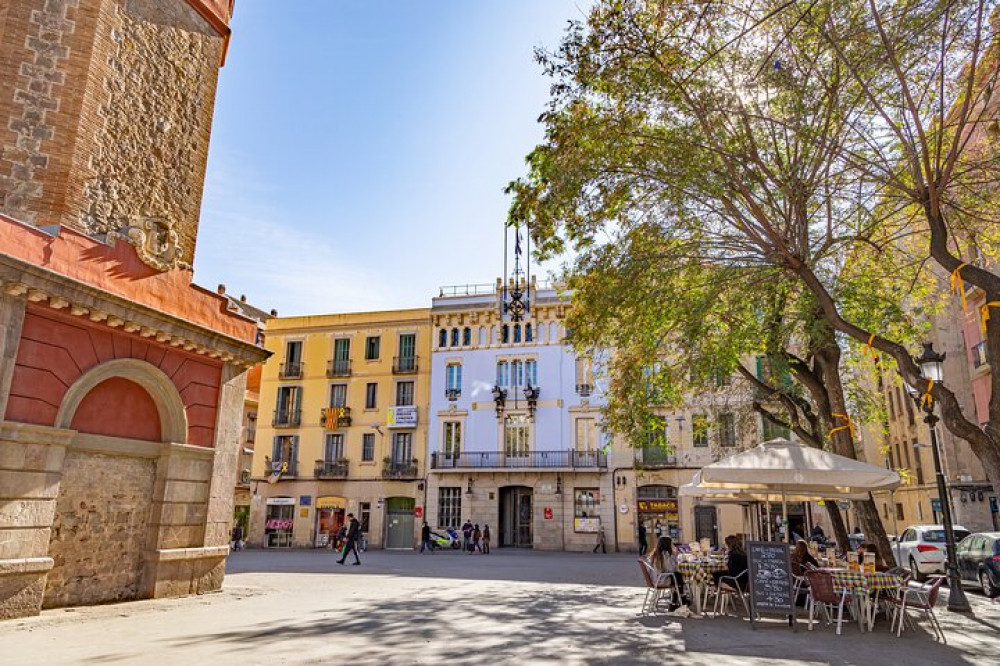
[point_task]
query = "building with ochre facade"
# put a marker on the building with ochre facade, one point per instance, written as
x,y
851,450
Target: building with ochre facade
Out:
x,y
121,382
342,428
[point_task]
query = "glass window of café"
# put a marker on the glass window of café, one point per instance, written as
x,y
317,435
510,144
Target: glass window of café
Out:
x,y
278,523
657,510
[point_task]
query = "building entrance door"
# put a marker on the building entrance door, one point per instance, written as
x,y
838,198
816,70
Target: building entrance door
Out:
x,y
705,525
399,522
516,517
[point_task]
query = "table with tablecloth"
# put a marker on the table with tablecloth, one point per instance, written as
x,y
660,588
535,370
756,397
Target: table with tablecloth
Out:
x,y
698,573
860,585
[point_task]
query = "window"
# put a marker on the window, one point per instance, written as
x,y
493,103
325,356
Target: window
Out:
x,y
516,436
286,409
466,336
338,395
892,408
517,332
371,395
407,346
404,393
586,435
503,373
442,338
372,344
365,509
899,403
727,430
909,411
918,467
586,502
505,333
368,447
531,372
293,358
449,507
584,372
342,349
285,453
774,430
699,430
402,448
453,378
528,337
334,447
516,374
899,512
452,444
454,337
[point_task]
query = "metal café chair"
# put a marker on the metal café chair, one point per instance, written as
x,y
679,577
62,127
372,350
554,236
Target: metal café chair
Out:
x,y
728,587
656,585
922,601
821,592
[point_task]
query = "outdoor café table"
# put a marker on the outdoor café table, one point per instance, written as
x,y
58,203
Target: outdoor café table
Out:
x,y
698,574
859,584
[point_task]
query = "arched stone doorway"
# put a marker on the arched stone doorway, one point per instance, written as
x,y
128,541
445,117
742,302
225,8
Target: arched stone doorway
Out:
x,y
122,412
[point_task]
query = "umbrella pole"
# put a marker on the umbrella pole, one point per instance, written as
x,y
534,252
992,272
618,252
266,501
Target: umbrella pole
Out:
x,y
767,509
784,518
895,527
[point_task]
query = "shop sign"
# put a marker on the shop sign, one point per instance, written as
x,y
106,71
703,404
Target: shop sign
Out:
x,y
591,525
331,503
305,500
657,506
281,501
402,416
547,513
279,524
303,513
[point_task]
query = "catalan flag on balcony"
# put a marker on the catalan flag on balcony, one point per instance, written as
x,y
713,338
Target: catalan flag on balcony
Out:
x,y
332,417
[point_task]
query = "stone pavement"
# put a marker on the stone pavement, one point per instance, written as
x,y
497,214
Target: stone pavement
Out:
x,y
300,607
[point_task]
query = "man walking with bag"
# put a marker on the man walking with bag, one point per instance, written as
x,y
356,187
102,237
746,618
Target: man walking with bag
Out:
x,y
351,540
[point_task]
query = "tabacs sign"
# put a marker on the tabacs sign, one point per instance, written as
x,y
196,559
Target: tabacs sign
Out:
x,y
402,416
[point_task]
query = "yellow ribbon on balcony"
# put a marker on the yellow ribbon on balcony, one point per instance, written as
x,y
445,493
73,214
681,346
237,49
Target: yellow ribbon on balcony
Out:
x,y
958,284
984,314
848,424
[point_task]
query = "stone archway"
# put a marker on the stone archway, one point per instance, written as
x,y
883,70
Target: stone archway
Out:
x,y
105,507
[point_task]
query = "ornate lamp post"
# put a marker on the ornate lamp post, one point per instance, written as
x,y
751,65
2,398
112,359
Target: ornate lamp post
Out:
x,y
500,398
932,368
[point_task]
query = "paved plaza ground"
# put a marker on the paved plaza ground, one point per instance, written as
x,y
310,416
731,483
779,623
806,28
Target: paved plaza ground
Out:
x,y
300,607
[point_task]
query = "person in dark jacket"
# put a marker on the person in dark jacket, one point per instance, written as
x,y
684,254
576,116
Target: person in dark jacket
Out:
x,y
736,563
425,538
351,540
643,546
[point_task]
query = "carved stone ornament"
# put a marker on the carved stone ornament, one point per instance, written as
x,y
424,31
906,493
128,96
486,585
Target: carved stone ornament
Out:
x,y
155,241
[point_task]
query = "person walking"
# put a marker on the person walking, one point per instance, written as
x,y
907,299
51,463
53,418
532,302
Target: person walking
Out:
x,y
425,538
238,537
477,535
600,542
486,539
467,536
351,540
643,545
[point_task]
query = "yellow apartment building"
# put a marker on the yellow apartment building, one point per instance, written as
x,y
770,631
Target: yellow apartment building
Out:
x,y
342,428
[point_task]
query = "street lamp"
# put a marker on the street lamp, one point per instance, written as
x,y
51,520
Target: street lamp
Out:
x,y
932,368
500,398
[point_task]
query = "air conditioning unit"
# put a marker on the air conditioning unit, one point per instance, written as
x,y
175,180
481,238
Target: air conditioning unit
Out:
x,y
245,476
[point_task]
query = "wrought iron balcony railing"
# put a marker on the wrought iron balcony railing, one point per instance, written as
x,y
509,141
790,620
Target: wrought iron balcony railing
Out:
x,y
452,393
654,456
331,469
404,365
287,418
291,370
399,471
532,459
282,467
335,417
339,367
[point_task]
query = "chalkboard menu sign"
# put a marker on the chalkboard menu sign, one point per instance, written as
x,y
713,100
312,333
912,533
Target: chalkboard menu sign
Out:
x,y
770,578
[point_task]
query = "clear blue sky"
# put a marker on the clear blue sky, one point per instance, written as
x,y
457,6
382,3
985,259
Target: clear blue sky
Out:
x,y
360,149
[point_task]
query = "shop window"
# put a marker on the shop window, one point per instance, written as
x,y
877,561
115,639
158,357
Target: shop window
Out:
x,y
587,510
278,522
365,509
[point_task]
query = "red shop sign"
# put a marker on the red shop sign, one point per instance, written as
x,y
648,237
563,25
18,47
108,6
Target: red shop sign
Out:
x,y
548,513
418,511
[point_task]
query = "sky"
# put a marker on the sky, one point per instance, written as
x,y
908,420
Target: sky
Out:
x,y
359,150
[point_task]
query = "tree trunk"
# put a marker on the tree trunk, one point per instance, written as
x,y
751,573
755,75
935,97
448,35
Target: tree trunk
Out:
x,y
837,520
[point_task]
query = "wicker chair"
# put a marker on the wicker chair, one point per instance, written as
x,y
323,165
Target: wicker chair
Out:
x,y
922,601
821,592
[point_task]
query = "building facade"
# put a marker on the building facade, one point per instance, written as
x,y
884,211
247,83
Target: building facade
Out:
x,y
121,382
348,430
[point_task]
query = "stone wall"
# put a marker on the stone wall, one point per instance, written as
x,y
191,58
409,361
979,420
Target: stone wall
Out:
x,y
100,529
105,113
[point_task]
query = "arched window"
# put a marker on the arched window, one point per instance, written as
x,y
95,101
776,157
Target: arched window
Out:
x,y
517,332
505,334
454,337
467,336
482,336
528,337
443,338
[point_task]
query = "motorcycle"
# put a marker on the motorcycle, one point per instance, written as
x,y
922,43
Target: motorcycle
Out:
x,y
449,539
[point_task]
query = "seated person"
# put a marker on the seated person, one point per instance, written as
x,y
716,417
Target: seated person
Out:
x,y
664,560
800,557
869,547
736,563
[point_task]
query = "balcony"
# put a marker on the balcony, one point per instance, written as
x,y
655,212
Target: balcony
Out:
x,y
281,467
396,470
452,394
290,370
654,456
531,460
404,365
331,469
339,367
335,417
287,418
979,355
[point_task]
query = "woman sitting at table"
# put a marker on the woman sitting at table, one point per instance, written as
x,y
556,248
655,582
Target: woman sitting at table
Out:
x,y
801,557
664,561
736,563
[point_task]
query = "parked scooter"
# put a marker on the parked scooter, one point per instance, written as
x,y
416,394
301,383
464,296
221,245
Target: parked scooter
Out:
x,y
456,538
449,539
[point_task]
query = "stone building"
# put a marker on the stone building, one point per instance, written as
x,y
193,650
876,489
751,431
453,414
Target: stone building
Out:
x,y
348,432
121,382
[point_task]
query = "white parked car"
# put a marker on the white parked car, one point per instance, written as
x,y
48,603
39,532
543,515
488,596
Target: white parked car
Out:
x,y
921,549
